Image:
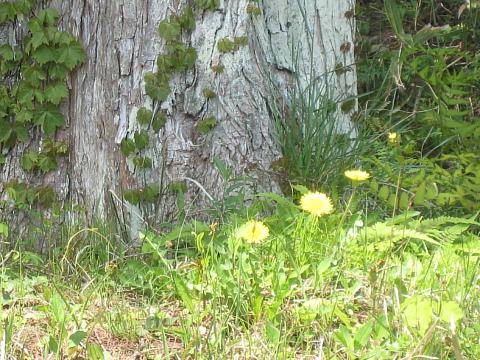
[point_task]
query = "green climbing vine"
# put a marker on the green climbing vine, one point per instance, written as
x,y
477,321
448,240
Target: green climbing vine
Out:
x,y
177,58
35,71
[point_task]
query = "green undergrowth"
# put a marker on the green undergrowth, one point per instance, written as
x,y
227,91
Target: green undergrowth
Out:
x,y
270,280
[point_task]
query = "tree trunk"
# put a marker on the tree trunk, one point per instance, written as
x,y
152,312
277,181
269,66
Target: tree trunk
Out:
x,y
122,41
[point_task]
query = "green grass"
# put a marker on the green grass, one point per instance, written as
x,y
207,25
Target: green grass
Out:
x,y
396,288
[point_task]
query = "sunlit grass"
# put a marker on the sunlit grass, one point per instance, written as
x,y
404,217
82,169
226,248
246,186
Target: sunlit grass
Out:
x,y
285,286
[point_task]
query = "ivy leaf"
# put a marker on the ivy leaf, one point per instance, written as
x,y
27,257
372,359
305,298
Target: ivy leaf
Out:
x,y
23,114
33,75
56,92
44,54
71,54
46,163
169,30
5,101
187,20
158,92
159,121
7,12
23,6
29,159
144,116
190,57
143,162
25,94
164,63
150,192
5,130
6,52
39,35
21,132
127,146
49,16
132,196
58,71
62,37
141,139
46,196
50,117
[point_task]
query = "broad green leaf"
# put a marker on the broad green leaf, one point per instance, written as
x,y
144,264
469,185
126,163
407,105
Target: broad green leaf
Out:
x,y
49,16
54,93
323,266
7,12
187,20
143,162
127,146
451,312
418,313
29,159
44,54
50,117
150,192
34,75
23,115
144,116
272,333
141,139
71,54
24,93
58,308
46,163
5,130
23,6
4,229
58,71
21,132
164,63
52,344
6,52
362,335
189,58
184,293
301,189
78,336
158,92
345,337
63,37
132,196
39,34
45,197
169,30
159,121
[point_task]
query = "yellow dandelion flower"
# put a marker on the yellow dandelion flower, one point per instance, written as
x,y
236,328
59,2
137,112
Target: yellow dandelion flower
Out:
x,y
254,231
316,203
357,175
393,137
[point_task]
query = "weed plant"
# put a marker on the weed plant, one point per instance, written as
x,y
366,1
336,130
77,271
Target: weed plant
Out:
x,y
281,280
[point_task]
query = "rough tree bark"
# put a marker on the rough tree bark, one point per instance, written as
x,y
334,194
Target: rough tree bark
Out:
x,y
122,41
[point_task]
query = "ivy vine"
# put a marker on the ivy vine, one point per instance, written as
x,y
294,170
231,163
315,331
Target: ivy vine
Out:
x,y
36,71
178,57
